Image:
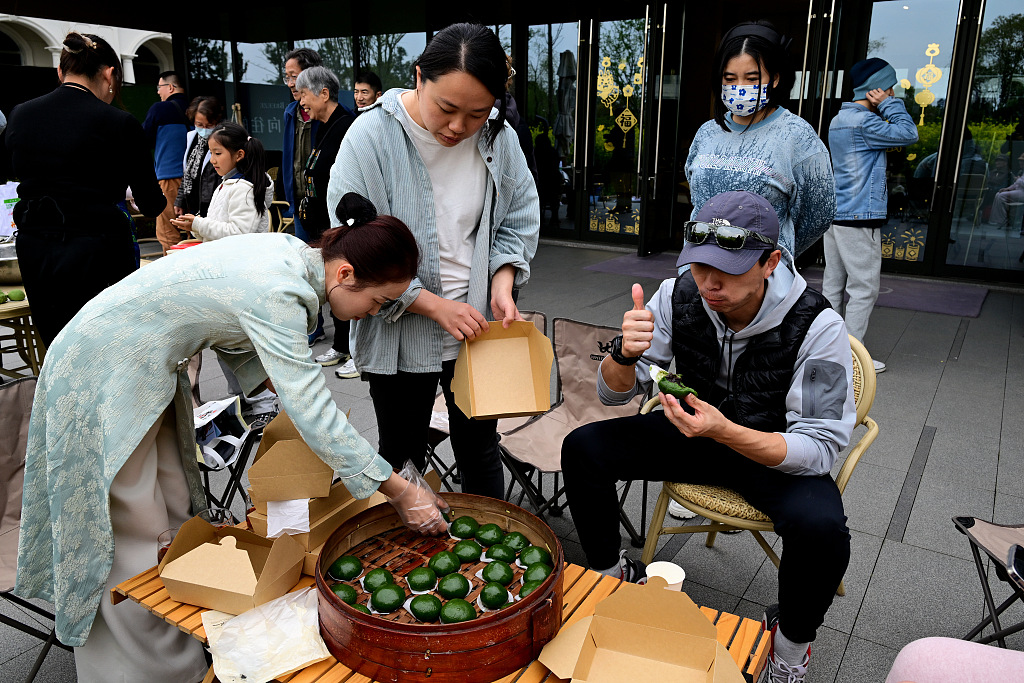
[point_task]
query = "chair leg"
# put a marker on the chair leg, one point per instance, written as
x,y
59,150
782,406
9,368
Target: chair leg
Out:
x,y
50,640
710,542
842,590
655,529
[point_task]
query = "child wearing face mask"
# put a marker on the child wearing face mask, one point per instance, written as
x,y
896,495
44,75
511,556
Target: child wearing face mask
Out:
x,y
755,144
241,202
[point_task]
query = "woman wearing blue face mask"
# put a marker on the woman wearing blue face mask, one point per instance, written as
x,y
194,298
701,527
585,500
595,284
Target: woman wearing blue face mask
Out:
x,y
200,178
755,144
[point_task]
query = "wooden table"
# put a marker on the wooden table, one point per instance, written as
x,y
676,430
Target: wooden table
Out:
x,y
583,589
17,317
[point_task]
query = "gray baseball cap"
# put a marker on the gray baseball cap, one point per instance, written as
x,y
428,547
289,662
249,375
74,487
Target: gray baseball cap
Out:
x,y
742,210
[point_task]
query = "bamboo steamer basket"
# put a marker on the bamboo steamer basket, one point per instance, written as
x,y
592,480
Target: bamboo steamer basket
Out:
x,y
396,647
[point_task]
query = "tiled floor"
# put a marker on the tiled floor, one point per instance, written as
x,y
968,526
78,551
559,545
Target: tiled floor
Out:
x,y
951,443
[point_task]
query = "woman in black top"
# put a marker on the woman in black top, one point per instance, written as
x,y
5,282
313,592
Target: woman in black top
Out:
x,y
199,178
75,156
318,95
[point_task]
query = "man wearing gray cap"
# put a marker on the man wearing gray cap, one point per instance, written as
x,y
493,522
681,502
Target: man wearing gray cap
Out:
x,y
771,364
858,138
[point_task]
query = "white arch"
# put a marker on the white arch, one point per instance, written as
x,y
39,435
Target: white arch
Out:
x,y
44,35
157,43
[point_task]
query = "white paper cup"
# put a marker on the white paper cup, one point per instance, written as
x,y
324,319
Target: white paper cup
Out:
x,y
672,573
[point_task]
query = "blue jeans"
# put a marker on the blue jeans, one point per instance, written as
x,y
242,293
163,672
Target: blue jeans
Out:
x,y
300,231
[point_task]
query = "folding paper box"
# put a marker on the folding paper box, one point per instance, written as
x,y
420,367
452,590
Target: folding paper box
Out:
x,y
642,633
288,470
504,372
318,507
321,529
228,569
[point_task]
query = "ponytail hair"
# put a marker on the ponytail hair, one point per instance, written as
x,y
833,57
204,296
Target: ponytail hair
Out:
x,y
475,50
253,165
84,54
381,249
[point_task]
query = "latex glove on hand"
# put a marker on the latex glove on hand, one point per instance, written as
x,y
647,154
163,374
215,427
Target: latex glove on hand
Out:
x,y
420,509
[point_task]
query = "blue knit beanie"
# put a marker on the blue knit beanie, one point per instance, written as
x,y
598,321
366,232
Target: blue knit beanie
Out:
x,y
870,74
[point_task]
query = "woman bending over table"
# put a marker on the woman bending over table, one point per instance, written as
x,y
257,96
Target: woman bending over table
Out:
x,y
103,472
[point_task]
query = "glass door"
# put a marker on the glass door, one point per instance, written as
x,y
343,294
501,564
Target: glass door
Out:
x,y
611,190
987,229
916,37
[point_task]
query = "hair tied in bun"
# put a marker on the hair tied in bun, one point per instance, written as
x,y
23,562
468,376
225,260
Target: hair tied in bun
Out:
x,y
354,210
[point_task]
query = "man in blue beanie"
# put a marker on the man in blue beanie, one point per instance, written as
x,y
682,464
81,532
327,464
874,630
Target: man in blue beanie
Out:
x,y
858,138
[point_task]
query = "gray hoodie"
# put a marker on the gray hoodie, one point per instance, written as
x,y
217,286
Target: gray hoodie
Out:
x,y
820,421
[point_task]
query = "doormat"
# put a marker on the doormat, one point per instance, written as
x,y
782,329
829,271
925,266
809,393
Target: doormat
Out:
x,y
927,296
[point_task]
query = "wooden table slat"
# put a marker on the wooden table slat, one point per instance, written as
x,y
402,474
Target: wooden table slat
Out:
x,y
605,587
743,642
757,660
726,626
311,673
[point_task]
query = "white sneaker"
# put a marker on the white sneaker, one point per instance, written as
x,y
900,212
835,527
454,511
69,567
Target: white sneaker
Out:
x,y
879,366
332,357
347,371
679,512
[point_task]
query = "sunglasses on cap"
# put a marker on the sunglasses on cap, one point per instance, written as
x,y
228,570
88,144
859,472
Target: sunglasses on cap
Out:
x,y
726,236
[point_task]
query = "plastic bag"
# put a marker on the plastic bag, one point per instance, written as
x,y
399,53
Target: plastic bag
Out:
x,y
416,500
268,641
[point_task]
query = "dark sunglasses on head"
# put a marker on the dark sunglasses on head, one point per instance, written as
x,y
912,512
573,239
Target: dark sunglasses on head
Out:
x,y
726,236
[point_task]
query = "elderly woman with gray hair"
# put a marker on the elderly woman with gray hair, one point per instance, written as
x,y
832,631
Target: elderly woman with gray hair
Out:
x,y
318,96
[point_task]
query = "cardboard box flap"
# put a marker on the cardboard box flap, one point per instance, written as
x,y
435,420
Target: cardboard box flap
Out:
x,y
504,372
281,570
235,573
653,606
289,470
281,428
675,648
561,652
724,670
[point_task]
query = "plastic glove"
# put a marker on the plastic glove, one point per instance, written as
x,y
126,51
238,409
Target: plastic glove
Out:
x,y
418,506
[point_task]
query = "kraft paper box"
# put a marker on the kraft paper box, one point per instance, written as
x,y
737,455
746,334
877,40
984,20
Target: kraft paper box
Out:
x,y
318,507
504,372
288,470
228,569
321,529
642,633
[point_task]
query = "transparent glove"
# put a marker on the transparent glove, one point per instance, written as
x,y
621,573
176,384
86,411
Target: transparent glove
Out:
x,y
418,506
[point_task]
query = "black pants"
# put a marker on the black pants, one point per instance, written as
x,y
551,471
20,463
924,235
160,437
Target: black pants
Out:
x,y
340,336
64,268
403,405
807,510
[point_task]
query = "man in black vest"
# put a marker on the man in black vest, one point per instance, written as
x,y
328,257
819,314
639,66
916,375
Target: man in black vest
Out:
x,y
771,364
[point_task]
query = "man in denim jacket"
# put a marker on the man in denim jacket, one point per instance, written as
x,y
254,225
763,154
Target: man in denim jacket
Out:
x,y
859,136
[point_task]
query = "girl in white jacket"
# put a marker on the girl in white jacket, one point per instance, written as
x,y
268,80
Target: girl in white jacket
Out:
x,y
241,203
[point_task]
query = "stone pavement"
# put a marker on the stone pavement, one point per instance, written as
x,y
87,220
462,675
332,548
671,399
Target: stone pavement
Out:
x,y
951,443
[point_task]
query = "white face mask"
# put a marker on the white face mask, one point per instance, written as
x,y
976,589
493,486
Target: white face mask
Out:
x,y
744,100
204,133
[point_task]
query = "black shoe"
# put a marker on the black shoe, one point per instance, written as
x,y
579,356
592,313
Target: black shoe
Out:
x,y
633,571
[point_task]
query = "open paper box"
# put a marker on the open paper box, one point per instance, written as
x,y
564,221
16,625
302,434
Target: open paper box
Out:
x,y
289,470
504,372
228,569
642,633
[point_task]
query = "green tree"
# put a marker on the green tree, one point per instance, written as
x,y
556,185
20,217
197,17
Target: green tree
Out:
x,y
383,55
275,52
207,59
1001,53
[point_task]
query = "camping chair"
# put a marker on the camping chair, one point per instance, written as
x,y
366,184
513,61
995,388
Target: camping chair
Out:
x,y
996,540
726,510
15,408
438,430
233,486
278,221
579,350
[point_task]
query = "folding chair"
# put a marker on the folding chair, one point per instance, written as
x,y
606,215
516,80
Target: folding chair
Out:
x,y
15,408
233,486
996,540
727,510
438,430
579,350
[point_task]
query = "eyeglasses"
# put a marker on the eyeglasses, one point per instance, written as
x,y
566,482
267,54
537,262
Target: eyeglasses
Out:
x,y
289,80
726,236
162,86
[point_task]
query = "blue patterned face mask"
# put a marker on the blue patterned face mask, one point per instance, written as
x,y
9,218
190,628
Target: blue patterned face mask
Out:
x,y
744,100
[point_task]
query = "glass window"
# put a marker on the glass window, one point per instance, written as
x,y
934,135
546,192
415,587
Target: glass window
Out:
x,y
262,63
391,55
988,211
916,38
10,53
336,54
504,33
550,110
209,60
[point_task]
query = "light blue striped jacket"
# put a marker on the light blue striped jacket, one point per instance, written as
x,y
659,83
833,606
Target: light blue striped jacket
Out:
x,y
378,160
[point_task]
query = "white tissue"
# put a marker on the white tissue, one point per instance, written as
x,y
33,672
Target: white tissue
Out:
x,y
287,517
